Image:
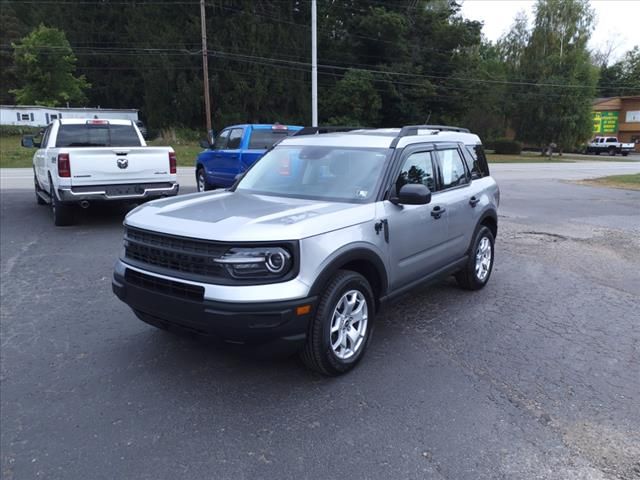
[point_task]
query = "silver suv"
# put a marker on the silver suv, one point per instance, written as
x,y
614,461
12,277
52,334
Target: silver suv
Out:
x,y
309,243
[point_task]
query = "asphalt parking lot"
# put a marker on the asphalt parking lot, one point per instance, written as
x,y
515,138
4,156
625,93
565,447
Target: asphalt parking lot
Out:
x,y
536,376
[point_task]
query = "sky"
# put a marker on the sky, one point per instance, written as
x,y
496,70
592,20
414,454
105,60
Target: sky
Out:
x,y
617,21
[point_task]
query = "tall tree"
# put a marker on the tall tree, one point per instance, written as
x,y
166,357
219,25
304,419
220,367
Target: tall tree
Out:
x,y
557,80
46,66
623,77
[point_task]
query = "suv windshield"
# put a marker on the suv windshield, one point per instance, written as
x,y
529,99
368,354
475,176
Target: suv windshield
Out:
x,y
100,135
314,172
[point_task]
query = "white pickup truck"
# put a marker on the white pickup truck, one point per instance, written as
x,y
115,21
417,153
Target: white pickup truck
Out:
x,y
83,161
610,146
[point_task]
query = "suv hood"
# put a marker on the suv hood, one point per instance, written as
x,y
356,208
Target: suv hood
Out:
x,y
236,216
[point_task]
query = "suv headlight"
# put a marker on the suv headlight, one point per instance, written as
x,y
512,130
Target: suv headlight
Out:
x,y
259,262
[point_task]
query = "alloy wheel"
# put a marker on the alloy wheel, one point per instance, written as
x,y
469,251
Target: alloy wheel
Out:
x,y
349,325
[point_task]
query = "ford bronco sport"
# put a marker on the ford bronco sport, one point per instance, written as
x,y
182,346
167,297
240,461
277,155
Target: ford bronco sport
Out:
x,y
305,247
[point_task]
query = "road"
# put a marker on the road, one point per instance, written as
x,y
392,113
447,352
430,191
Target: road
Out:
x,y
536,376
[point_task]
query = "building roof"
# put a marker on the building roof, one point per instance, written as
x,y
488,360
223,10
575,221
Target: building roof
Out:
x,y
69,109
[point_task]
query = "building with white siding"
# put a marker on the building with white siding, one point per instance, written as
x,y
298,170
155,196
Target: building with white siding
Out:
x,y
37,116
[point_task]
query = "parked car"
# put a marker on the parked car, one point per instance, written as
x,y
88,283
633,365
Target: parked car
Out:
x,y
610,146
305,248
234,150
79,162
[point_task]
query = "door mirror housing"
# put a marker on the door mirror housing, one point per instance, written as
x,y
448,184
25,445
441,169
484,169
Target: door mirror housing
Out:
x,y
205,144
28,142
412,194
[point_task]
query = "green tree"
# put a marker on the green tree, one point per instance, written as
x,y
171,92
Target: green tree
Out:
x,y
45,65
623,77
354,100
557,80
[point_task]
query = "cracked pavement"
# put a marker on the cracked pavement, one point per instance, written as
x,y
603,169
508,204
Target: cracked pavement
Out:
x,y
536,376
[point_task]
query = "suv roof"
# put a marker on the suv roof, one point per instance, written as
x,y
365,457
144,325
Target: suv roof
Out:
x,y
385,137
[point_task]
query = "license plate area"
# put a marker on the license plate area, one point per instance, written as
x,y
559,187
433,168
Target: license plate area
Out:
x,y
123,190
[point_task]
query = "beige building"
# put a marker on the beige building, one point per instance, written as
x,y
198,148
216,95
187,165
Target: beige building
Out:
x,y
618,117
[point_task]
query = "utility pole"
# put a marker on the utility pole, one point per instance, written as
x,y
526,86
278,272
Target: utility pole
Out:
x,y
205,67
314,64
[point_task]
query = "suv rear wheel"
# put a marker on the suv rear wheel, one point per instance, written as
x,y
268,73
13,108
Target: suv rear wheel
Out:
x,y
342,325
476,273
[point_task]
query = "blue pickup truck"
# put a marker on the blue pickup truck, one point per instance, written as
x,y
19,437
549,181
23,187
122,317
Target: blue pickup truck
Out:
x,y
234,150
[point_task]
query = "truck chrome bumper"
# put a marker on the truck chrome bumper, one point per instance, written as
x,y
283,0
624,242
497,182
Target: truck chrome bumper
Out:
x,y
137,191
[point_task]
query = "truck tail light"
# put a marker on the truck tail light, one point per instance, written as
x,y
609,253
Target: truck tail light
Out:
x,y
172,162
64,166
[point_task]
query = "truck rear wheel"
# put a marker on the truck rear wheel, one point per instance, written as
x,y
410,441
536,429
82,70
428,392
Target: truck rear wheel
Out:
x,y
63,215
39,199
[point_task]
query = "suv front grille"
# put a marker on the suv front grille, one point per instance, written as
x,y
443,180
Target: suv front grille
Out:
x,y
168,287
177,254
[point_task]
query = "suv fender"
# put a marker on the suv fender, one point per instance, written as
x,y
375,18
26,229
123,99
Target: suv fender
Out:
x,y
358,257
488,218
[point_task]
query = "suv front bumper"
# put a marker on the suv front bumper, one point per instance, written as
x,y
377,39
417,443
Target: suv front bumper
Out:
x,y
138,191
174,305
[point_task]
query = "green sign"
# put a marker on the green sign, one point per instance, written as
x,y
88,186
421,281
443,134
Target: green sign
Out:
x,y
605,122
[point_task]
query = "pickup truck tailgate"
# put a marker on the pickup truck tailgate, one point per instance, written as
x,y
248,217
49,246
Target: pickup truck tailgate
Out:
x,y
113,165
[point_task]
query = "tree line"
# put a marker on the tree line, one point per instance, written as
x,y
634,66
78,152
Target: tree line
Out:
x,y
381,63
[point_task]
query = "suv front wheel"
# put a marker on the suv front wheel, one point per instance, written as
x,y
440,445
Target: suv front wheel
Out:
x,y
342,325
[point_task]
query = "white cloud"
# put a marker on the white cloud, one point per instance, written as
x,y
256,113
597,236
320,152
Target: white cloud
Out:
x,y
617,21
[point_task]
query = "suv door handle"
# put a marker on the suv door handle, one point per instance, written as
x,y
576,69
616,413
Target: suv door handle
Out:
x,y
473,201
437,212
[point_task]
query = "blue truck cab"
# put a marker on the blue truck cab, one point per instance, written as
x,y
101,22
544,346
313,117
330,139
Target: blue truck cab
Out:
x,y
234,150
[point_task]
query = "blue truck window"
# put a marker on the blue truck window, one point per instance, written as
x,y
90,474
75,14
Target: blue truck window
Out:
x,y
264,138
234,139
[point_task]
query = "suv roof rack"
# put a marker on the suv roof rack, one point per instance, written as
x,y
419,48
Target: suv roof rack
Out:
x,y
319,130
410,130
413,129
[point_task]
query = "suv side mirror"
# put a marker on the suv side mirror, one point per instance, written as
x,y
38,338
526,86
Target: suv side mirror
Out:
x,y
28,142
412,194
205,144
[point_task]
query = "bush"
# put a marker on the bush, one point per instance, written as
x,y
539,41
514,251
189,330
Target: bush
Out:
x,y
16,130
506,146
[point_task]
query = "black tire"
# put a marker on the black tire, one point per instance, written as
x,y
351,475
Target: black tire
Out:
x,y
63,215
201,181
612,152
467,278
624,154
318,354
597,152
39,199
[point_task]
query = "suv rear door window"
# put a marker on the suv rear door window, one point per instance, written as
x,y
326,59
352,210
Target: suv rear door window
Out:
x,y
452,170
